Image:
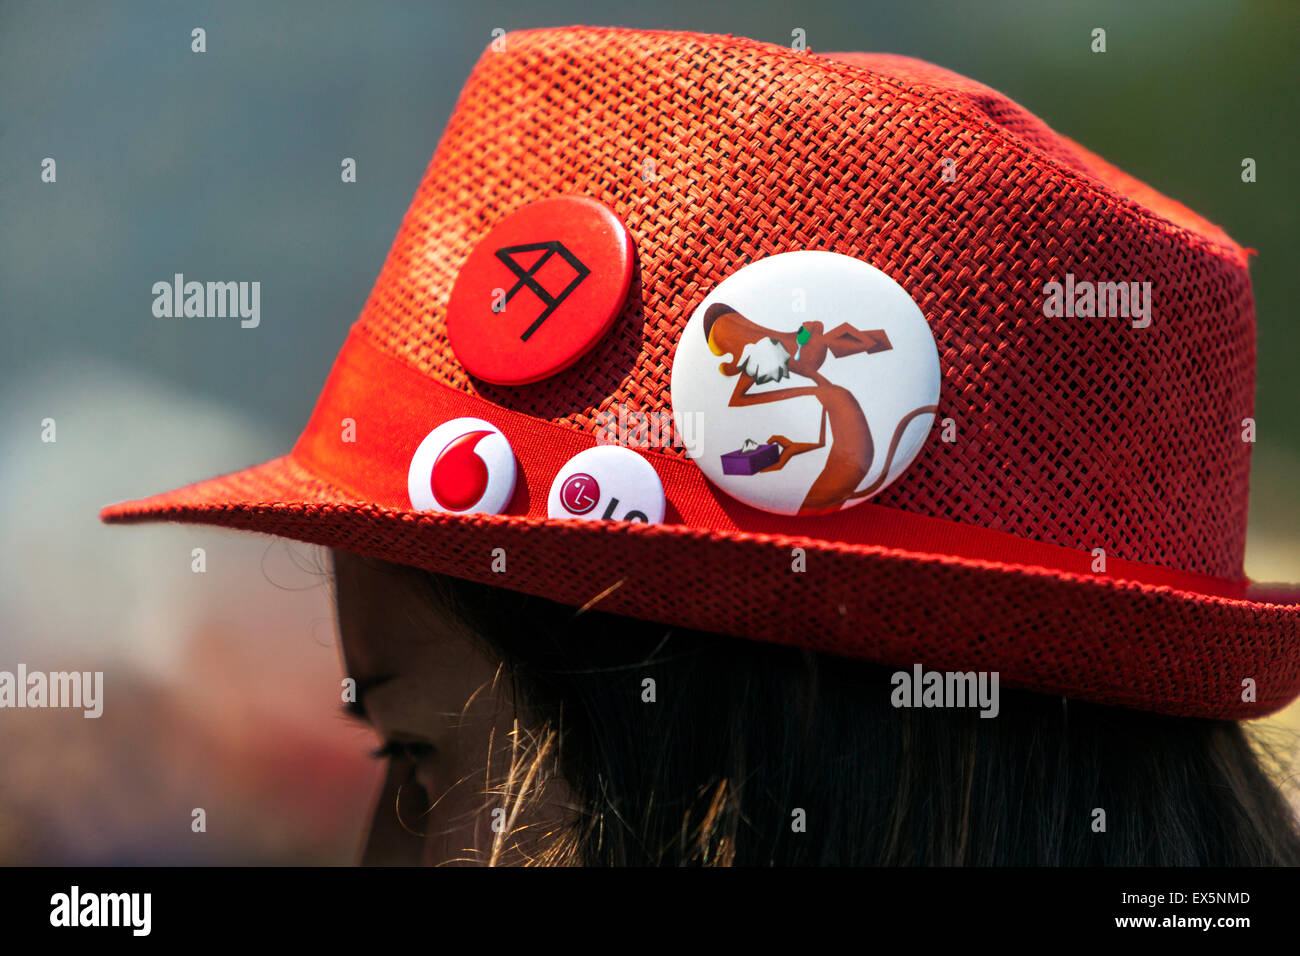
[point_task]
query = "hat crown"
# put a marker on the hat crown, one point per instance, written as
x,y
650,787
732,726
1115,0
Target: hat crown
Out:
x,y
1073,429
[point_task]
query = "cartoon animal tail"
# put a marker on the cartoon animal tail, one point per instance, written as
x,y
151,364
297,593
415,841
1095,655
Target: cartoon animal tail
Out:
x,y
893,447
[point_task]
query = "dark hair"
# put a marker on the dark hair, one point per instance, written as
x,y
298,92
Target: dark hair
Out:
x,y
742,736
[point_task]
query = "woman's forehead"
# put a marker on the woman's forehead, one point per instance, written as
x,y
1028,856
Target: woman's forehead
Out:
x,y
400,642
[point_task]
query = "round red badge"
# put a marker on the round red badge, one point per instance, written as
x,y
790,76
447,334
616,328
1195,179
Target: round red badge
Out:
x,y
539,290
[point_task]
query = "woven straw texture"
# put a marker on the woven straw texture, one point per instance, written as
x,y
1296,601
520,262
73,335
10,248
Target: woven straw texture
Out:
x,y
1095,639
1082,432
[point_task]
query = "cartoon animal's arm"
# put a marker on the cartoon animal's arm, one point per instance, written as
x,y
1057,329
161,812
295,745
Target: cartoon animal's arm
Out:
x,y
844,340
791,448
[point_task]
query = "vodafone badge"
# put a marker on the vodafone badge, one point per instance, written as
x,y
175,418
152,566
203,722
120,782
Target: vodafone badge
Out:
x,y
462,466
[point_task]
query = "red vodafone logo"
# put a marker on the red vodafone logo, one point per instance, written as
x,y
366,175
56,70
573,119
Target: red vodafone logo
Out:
x,y
539,290
464,465
460,476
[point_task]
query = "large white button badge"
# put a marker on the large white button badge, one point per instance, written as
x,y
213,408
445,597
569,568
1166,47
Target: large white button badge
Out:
x,y
805,383
463,465
607,482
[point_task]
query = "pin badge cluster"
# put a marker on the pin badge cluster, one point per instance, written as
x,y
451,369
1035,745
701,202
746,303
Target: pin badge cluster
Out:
x,y
536,293
810,379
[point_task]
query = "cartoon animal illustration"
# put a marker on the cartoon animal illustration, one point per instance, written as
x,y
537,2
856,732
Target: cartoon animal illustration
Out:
x,y
758,355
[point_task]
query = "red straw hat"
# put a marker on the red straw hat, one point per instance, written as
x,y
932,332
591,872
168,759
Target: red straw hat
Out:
x,y
1072,514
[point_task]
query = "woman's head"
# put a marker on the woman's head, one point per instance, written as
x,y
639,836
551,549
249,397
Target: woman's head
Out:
x,y
519,730
1058,498
438,701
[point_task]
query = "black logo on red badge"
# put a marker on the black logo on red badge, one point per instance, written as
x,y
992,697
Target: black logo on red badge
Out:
x,y
574,257
511,256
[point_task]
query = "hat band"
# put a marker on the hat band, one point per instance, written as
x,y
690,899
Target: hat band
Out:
x,y
375,410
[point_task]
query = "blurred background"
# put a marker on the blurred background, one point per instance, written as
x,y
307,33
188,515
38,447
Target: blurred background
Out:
x,y
223,687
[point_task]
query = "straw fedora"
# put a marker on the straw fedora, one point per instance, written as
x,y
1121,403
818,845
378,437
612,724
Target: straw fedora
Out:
x,y
1066,505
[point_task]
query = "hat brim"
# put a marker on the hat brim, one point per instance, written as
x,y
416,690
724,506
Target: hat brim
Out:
x,y
1098,638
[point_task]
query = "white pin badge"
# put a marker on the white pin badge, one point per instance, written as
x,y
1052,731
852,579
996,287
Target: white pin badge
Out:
x,y
464,465
608,482
805,383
